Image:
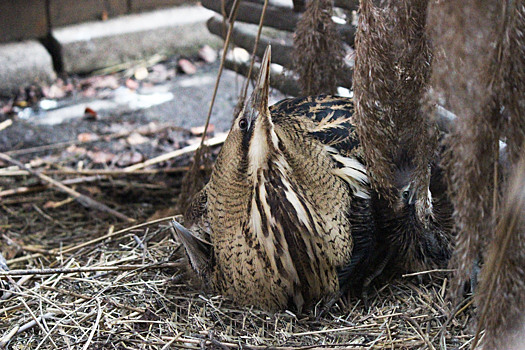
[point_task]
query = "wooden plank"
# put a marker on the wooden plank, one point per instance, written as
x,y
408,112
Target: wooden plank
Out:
x,y
22,19
117,7
65,12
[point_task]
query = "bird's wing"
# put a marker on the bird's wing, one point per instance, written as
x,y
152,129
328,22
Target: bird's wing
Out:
x,y
196,216
332,117
330,120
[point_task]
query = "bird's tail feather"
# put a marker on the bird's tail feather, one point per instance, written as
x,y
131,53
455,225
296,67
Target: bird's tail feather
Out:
x,y
198,250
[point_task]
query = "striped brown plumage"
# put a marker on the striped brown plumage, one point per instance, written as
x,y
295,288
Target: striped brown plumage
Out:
x,y
276,213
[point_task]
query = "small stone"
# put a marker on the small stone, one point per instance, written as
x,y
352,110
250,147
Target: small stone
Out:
x,y
132,84
141,73
101,157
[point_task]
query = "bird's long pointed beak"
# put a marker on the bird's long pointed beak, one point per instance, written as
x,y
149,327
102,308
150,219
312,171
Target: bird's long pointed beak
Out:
x,y
261,92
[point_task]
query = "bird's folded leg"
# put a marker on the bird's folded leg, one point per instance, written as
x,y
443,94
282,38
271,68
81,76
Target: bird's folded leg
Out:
x,y
368,281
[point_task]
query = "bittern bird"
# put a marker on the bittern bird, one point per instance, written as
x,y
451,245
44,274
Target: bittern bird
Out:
x,y
274,224
405,242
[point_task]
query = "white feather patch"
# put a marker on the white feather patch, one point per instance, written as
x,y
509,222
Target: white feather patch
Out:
x,y
353,172
268,242
258,152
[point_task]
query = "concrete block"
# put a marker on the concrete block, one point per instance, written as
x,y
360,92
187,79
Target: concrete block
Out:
x,y
65,12
22,19
91,46
23,64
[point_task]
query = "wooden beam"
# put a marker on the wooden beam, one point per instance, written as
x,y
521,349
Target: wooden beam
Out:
x,y
21,20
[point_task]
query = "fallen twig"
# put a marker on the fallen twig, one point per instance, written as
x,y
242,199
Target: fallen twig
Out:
x,y
426,272
143,130
82,199
19,329
418,329
85,269
5,124
30,189
95,326
99,172
9,335
70,249
3,263
208,343
214,141
16,285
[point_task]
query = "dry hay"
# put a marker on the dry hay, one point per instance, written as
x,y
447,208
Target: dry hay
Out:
x,y
143,301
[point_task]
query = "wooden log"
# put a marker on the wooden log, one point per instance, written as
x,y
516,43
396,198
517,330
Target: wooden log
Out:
x,y
285,82
281,18
244,35
350,5
277,17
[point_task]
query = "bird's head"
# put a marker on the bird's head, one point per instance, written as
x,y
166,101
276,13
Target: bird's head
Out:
x,y
408,198
251,139
404,189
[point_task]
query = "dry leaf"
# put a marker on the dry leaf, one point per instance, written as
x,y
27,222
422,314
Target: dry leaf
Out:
x,y
129,158
87,137
199,130
187,67
136,139
132,84
100,157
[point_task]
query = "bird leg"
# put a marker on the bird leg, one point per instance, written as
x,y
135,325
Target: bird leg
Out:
x,y
378,270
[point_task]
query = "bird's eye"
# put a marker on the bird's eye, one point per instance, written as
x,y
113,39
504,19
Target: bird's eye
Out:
x,y
405,194
243,124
